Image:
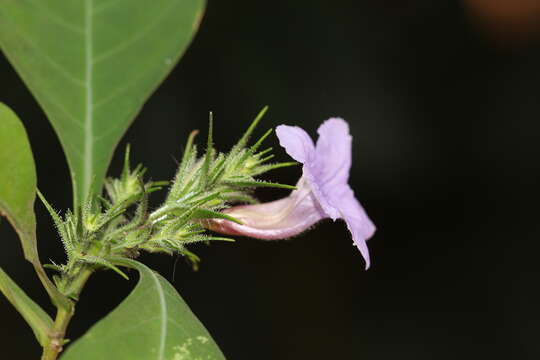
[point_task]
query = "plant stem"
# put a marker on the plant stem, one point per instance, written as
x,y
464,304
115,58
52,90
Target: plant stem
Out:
x,y
64,315
57,298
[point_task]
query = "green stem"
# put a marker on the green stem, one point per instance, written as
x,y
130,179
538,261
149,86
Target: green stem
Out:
x,y
58,299
64,315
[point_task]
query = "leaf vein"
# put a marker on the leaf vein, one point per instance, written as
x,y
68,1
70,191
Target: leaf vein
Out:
x,y
109,131
117,92
163,307
57,19
24,37
104,6
133,327
61,107
157,20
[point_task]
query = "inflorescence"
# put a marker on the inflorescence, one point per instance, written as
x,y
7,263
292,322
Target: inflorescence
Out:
x,y
121,224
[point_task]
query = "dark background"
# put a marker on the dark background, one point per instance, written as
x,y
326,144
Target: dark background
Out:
x,y
443,103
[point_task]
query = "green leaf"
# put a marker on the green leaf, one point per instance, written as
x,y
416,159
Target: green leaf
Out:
x,y
153,322
18,191
91,64
17,180
39,321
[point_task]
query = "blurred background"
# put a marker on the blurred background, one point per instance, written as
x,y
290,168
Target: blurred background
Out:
x,y
443,102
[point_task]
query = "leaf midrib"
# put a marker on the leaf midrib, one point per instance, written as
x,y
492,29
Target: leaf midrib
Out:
x,y
88,117
163,307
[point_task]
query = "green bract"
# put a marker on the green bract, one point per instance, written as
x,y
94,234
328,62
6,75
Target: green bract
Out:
x,y
121,224
205,185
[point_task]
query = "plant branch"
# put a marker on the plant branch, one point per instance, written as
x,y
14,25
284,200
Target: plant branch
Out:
x,y
64,315
57,298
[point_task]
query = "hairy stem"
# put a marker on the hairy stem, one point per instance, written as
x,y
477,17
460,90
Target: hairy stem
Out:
x,y
58,299
64,315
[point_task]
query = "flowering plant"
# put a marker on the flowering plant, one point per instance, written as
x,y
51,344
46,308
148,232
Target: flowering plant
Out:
x,y
73,56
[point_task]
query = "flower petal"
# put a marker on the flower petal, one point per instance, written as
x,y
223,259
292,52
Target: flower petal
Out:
x,y
333,153
296,142
274,220
321,194
358,222
329,169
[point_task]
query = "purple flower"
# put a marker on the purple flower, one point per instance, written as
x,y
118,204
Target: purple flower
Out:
x,y
322,191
